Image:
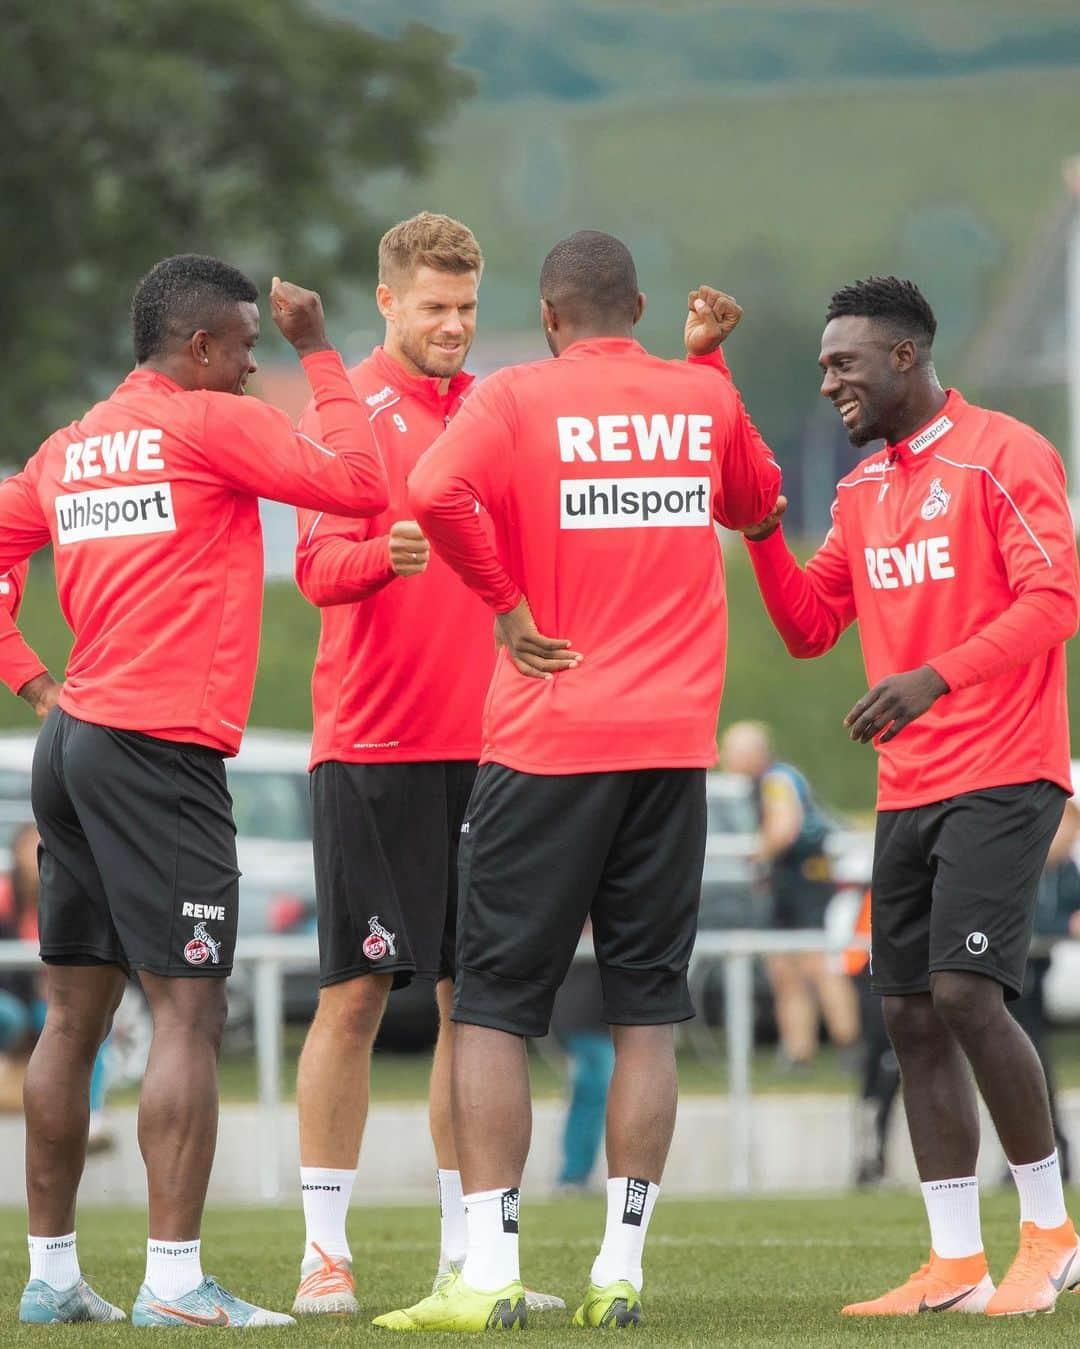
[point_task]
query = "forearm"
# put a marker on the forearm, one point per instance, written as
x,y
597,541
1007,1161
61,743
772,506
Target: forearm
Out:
x,y
346,430
449,518
808,625
343,571
19,664
1030,626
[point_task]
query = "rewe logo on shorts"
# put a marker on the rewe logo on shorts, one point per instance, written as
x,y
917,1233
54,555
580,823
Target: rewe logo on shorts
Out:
x,y
977,943
114,512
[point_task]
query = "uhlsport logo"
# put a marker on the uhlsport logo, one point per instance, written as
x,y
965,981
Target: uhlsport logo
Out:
x,y
202,947
977,943
380,941
637,1192
930,435
511,1202
937,503
114,512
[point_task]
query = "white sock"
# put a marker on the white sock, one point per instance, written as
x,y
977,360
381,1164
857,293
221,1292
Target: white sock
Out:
x,y
953,1209
1042,1200
54,1260
630,1203
452,1236
173,1268
326,1194
491,1254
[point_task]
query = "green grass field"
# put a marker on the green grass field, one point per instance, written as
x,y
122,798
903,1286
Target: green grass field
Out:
x,y
752,1273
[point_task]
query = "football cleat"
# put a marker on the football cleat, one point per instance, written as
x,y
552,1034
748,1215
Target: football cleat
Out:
x,y
44,1305
207,1307
328,1290
534,1301
615,1306
940,1285
1047,1263
456,1306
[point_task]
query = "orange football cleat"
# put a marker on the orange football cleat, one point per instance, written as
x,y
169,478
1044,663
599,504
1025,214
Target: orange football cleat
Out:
x,y
1047,1263
328,1290
941,1285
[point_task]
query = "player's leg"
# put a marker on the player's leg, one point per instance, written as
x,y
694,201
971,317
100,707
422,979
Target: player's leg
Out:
x,y
528,870
939,1099
369,873
838,1000
793,1006
990,848
84,989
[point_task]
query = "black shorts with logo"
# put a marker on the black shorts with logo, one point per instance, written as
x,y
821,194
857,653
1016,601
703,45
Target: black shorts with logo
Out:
x,y
138,850
540,854
954,885
386,858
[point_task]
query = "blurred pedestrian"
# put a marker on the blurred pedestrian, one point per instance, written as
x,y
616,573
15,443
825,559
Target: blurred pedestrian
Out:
x,y
792,849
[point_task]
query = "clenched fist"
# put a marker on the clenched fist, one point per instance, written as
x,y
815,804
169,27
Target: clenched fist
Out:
x,y
712,317
299,315
409,550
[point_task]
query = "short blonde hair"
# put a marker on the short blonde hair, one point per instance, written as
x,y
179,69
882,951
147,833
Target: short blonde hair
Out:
x,y
428,240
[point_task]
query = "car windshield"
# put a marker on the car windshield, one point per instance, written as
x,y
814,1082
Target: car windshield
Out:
x,y
271,805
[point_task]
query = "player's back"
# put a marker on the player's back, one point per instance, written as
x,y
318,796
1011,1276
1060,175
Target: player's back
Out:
x,y
619,464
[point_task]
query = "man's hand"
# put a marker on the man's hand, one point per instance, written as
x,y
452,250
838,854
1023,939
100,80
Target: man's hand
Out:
x,y
299,315
895,703
531,653
41,693
712,317
409,550
771,523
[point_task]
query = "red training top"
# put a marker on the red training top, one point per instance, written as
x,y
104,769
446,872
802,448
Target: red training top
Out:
x,y
603,471
151,503
403,662
953,549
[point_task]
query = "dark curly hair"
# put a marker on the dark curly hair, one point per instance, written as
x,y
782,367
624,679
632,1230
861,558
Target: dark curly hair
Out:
x,y
897,305
180,295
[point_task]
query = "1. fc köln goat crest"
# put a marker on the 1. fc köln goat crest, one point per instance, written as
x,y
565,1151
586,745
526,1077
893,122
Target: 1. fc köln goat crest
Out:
x,y
380,941
202,947
937,502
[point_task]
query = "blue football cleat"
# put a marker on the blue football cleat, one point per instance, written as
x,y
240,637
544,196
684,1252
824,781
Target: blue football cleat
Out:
x,y
44,1305
205,1307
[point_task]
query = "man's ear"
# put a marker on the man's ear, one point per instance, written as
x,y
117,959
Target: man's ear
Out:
x,y
905,355
639,307
384,298
200,346
548,317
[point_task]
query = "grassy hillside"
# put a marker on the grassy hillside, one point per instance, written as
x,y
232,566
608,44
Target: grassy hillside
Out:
x,y
805,701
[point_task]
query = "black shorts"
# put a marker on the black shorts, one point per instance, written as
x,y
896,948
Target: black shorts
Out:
x,y
138,851
386,844
954,885
540,854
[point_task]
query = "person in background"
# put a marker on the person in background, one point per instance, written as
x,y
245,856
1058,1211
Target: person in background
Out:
x,y
577,1022
1057,914
880,1083
792,849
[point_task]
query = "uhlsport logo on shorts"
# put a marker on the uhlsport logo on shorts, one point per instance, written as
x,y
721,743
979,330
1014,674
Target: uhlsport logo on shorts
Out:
x,y
977,943
114,512
380,942
202,947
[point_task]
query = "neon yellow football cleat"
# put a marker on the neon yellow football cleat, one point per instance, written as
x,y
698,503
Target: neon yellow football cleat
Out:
x,y
455,1306
616,1306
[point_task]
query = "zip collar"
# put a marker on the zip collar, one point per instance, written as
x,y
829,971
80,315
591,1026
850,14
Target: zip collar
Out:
x,y
421,387
916,446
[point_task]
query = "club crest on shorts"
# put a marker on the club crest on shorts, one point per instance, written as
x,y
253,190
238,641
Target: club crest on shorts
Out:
x,y
977,943
380,941
202,947
937,502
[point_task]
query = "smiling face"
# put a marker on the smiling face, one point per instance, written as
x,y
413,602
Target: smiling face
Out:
x,y
430,320
866,377
227,354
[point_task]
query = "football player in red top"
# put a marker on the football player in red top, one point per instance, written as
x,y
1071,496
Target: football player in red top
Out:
x,y
953,550
150,501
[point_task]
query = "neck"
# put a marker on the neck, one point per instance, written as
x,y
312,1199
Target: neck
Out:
x,y
590,332
922,406
171,368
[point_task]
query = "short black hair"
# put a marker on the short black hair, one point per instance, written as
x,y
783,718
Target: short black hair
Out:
x,y
897,305
180,295
591,275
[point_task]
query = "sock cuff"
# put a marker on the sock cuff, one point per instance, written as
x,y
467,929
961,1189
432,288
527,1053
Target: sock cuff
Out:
x,y
63,1243
485,1196
1034,1168
950,1183
326,1178
449,1177
178,1250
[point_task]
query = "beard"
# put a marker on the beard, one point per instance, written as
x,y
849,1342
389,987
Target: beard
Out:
x,y
434,364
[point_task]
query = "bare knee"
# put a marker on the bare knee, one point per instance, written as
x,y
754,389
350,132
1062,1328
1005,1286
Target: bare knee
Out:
x,y
913,1025
354,1009
968,1004
192,1008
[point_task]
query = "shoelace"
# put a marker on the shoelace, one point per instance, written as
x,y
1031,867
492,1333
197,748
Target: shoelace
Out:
x,y
334,1277
1033,1260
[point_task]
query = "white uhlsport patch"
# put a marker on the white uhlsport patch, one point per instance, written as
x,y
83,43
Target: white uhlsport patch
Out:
x,y
629,503
114,512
